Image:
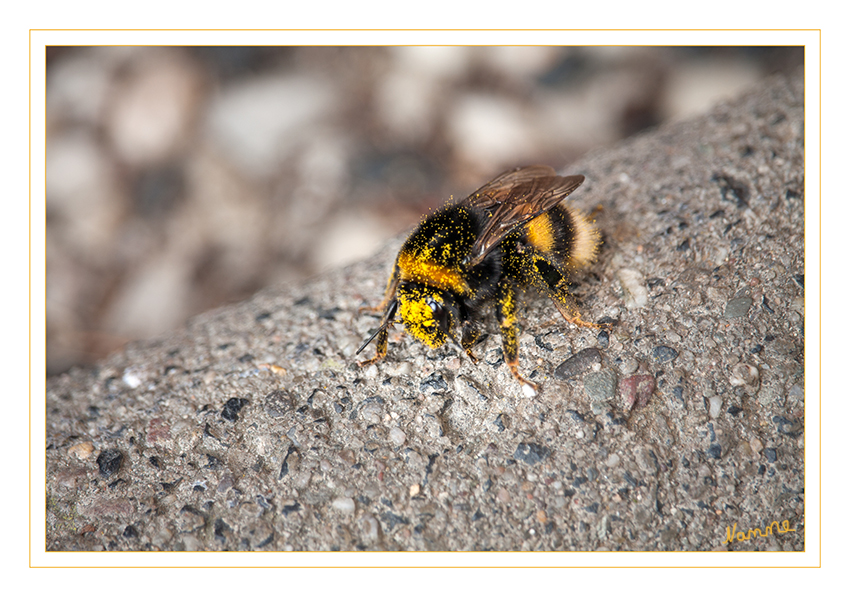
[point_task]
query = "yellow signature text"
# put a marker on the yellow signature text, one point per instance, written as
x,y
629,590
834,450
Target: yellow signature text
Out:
x,y
732,535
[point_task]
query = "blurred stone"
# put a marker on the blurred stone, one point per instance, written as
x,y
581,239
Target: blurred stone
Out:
x,y
154,106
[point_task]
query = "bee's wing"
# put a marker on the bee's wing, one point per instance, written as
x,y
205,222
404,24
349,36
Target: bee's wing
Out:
x,y
514,198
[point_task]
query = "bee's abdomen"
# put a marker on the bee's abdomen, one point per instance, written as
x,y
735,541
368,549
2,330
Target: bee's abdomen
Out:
x,y
566,233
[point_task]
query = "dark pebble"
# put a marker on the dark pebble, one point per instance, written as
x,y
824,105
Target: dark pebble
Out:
x,y
393,519
770,454
291,508
531,453
734,410
278,403
732,190
577,416
714,450
434,383
663,354
232,407
738,307
603,338
130,532
538,340
270,538
787,426
329,314
219,529
679,394
109,461
577,364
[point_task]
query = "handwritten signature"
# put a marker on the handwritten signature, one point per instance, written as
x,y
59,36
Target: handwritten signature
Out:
x,y
731,535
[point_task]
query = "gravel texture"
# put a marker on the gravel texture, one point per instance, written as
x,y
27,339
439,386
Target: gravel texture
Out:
x,y
253,428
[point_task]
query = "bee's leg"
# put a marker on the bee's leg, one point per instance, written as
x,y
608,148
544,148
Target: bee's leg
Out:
x,y
469,335
548,278
382,335
507,313
381,346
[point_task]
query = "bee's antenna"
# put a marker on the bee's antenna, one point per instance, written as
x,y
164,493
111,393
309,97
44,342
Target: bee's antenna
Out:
x,y
387,322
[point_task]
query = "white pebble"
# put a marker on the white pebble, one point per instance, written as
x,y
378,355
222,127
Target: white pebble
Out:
x,y
397,436
714,404
343,504
131,378
636,294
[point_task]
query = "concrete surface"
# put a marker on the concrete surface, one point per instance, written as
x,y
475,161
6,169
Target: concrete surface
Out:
x,y
253,429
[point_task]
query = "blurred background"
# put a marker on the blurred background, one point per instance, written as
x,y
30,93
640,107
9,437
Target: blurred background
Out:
x,y
183,178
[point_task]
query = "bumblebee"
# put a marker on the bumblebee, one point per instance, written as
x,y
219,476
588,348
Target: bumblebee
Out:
x,y
511,234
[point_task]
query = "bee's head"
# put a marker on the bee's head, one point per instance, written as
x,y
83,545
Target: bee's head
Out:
x,y
427,313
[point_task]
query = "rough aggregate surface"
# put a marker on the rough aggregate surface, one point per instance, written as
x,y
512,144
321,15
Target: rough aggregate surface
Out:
x,y
253,428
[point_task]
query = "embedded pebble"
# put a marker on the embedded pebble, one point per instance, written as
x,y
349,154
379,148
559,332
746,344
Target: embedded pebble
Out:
x,y
663,354
131,378
635,293
600,385
637,390
628,366
109,461
714,404
343,504
396,369
232,407
528,390
583,360
397,436
433,383
531,453
370,528
738,307
744,375
82,450
372,412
